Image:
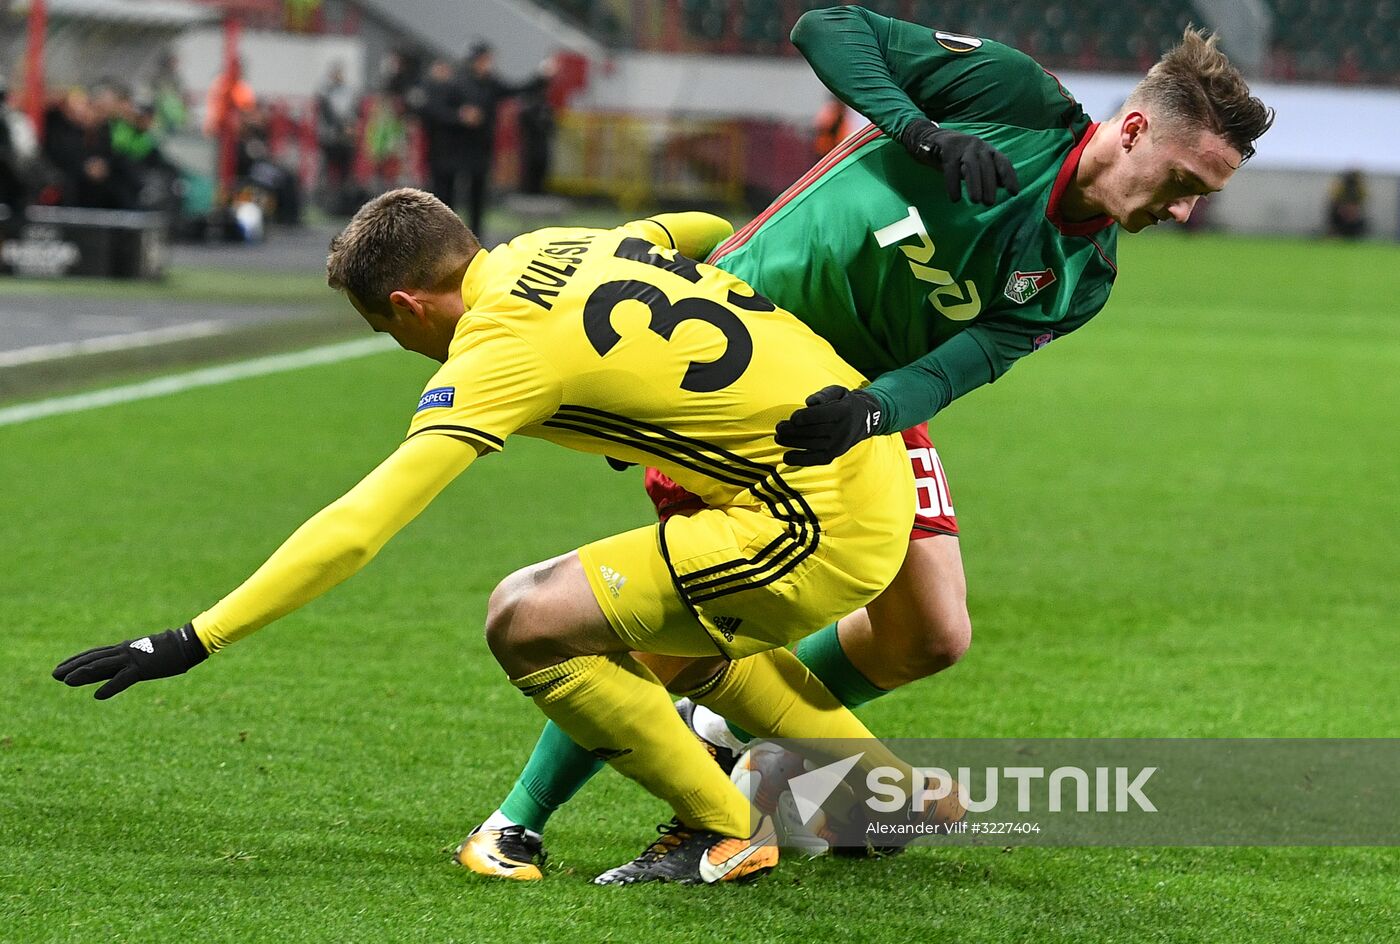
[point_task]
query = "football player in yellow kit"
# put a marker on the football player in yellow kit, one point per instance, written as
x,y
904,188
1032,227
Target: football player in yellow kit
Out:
x,y
612,342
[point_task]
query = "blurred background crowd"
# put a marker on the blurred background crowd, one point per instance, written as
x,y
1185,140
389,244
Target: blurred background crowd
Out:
x,y
154,143
226,116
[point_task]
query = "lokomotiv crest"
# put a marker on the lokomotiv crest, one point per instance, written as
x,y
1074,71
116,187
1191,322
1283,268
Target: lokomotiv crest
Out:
x,y
1023,286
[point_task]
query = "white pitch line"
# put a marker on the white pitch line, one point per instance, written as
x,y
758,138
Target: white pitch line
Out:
x,y
204,377
112,342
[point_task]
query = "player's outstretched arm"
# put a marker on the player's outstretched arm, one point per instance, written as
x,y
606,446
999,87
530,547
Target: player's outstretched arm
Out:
x,y
847,47
978,355
160,655
835,419
900,76
331,546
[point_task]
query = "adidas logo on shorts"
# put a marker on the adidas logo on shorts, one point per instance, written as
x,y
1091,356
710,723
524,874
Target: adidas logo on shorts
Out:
x,y
728,625
612,579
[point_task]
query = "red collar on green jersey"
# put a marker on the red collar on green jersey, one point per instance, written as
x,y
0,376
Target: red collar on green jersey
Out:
x,y
1052,209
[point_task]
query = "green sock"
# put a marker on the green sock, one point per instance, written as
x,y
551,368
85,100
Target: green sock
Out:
x,y
557,768
822,653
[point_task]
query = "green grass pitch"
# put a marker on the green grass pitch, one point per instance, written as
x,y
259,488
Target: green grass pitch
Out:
x,y
1180,522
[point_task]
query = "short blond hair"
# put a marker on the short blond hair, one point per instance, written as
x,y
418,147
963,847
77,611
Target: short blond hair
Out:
x,y
1195,85
400,240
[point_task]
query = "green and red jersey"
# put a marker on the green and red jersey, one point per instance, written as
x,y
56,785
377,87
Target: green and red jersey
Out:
x,y
930,297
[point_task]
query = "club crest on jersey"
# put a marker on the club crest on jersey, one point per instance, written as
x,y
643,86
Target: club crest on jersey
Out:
x,y
956,42
436,397
1023,286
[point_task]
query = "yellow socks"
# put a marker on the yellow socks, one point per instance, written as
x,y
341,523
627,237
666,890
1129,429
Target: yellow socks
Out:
x,y
774,695
616,708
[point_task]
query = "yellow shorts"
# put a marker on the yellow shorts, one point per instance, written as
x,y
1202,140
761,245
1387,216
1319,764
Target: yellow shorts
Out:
x,y
740,580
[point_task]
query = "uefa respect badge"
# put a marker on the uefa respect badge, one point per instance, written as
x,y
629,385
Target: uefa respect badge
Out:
x,y
438,397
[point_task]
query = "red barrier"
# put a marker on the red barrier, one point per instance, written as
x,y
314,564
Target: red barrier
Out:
x,y
34,64
230,119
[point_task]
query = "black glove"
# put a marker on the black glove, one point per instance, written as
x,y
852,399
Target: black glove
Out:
x,y
173,652
962,157
833,421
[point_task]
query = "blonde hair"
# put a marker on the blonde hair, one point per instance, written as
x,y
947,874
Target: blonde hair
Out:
x,y
403,239
1195,85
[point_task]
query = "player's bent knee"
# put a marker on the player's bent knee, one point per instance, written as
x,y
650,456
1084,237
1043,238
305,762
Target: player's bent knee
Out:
x,y
501,619
512,634
927,646
954,637
921,621
946,641
546,614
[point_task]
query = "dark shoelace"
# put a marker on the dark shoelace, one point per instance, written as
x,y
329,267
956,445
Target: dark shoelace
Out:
x,y
515,844
672,835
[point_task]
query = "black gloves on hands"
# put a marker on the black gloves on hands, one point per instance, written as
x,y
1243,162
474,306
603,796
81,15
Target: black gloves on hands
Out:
x,y
172,652
833,421
962,158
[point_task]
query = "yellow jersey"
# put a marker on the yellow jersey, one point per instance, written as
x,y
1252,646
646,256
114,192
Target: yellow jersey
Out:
x,y
612,342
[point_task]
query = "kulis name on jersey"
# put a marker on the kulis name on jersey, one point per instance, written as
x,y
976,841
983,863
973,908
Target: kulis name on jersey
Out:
x,y
546,275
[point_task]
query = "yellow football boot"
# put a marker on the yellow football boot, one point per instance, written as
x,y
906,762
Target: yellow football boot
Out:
x,y
512,853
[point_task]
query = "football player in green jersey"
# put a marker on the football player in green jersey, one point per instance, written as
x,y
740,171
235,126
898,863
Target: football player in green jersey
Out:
x,y
934,295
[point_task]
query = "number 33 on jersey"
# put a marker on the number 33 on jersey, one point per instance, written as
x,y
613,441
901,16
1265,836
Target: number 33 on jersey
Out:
x,y
611,341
